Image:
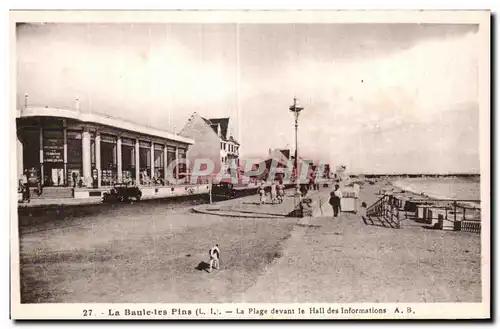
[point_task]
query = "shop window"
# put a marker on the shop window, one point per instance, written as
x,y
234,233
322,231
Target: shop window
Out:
x,y
108,160
128,160
159,165
74,161
53,157
145,163
171,157
31,153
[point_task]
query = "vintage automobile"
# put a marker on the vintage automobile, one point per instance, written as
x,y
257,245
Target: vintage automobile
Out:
x,y
223,190
122,193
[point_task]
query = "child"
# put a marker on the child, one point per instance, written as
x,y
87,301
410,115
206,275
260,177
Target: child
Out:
x,y
214,258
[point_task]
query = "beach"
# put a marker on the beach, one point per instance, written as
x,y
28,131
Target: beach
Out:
x,y
442,188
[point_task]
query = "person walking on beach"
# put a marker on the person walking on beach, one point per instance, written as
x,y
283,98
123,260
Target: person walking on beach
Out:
x,y
335,198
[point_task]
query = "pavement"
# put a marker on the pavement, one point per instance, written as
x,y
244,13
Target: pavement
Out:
x,y
344,260
250,207
59,202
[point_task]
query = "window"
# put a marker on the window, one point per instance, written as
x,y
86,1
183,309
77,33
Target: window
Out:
x,y
53,157
221,146
128,159
159,163
74,140
171,158
145,162
182,165
108,160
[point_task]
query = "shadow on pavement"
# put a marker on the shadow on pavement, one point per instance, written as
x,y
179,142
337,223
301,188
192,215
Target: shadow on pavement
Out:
x,y
431,227
203,266
381,222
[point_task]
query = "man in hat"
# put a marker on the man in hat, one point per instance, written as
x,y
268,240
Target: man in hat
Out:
x,y
335,198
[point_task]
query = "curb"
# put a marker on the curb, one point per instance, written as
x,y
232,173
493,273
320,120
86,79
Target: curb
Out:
x,y
226,214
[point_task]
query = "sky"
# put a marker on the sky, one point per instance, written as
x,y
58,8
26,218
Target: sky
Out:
x,y
392,98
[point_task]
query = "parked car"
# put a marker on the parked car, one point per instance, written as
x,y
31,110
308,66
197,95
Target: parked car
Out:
x,y
122,193
223,190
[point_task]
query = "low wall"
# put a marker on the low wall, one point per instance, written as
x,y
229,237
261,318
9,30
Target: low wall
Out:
x,y
150,192
173,191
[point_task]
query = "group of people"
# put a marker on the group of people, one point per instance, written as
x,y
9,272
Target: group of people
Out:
x,y
24,186
277,193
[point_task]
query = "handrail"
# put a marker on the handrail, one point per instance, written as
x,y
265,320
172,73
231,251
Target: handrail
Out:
x,y
376,206
385,207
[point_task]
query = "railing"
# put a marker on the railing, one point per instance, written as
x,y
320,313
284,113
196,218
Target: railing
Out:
x,y
446,214
386,210
461,215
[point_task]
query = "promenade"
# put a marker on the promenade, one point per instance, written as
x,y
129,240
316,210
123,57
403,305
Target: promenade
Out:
x,y
250,207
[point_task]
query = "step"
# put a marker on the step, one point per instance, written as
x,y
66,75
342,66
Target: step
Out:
x,y
52,193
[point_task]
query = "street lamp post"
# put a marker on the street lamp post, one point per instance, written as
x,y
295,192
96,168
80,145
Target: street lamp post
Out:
x,y
296,108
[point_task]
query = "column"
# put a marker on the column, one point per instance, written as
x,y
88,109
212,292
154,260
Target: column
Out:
x,y
86,170
65,153
137,172
152,156
165,164
177,160
41,156
119,158
19,155
98,157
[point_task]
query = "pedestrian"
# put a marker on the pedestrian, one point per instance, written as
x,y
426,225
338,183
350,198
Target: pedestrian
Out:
x,y
26,189
75,178
281,192
262,193
303,190
335,199
214,253
273,192
40,186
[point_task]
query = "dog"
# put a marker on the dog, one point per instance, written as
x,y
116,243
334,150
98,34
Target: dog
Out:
x,y
214,254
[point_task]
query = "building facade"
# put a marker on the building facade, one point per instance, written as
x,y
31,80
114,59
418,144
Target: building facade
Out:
x,y
65,147
211,141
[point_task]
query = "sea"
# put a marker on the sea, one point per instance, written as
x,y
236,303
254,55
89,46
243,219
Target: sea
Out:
x,y
444,187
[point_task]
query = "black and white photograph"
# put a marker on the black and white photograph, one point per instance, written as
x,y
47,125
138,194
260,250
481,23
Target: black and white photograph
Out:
x,y
250,165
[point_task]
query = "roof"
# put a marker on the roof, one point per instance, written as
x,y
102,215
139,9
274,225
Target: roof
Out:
x,y
278,156
31,111
286,153
233,140
224,124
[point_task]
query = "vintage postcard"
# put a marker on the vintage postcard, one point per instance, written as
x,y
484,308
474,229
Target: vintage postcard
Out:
x,y
250,165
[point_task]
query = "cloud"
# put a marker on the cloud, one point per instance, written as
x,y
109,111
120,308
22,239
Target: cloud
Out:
x,y
368,90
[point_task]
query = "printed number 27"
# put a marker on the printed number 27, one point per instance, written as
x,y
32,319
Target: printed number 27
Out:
x,y
87,312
